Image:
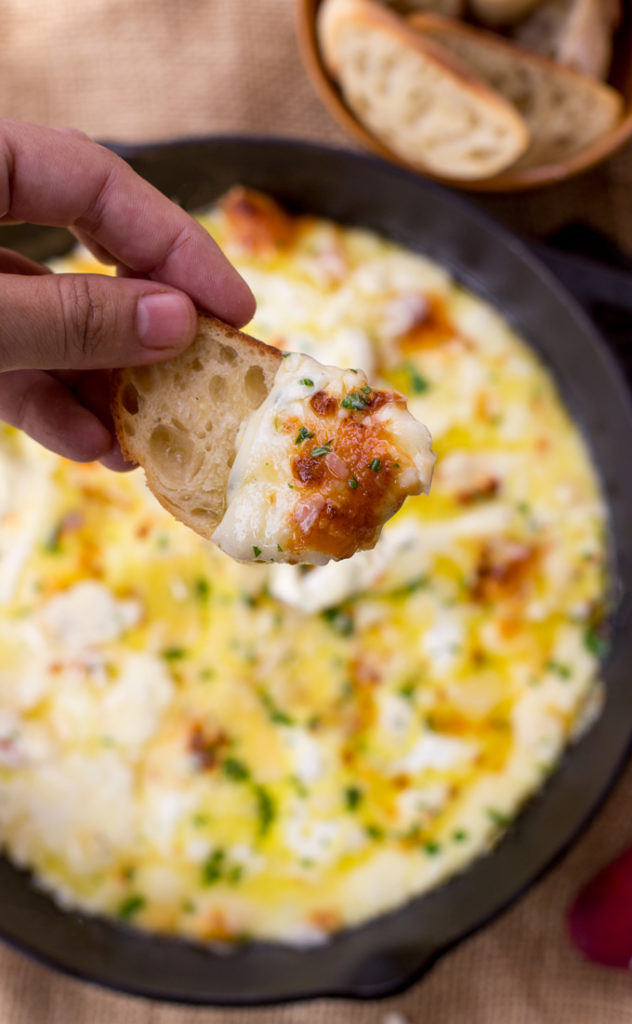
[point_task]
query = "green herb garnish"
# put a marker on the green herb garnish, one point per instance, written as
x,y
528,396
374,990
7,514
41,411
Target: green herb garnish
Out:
x,y
201,589
459,835
174,653
303,435
130,906
213,867
236,769
355,400
323,449
375,465
353,797
596,642
432,848
560,669
498,818
353,484
266,809
307,382
374,832
340,621
277,716
256,551
418,384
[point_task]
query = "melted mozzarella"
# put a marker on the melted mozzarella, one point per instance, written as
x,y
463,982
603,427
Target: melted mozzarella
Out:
x,y
267,501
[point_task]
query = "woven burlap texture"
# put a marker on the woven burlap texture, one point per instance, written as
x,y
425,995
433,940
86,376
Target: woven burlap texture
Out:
x,y
147,69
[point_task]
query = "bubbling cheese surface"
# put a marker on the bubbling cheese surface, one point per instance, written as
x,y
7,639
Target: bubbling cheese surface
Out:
x,y
215,750
320,466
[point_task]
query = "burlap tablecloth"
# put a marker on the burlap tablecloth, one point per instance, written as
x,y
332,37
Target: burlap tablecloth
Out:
x,y
150,69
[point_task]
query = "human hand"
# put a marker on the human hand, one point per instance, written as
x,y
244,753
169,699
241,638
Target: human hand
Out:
x,y
60,333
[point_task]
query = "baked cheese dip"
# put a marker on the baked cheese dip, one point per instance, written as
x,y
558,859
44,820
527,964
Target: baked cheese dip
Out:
x,y
223,751
320,466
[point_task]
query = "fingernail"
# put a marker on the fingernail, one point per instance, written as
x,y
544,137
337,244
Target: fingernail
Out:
x,y
163,320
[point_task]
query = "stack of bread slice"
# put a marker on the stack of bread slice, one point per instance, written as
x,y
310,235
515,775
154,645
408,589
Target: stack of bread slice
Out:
x,y
455,99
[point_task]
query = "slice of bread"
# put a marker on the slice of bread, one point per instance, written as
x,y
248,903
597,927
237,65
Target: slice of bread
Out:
x,y
564,111
502,12
179,419
577,33
424,104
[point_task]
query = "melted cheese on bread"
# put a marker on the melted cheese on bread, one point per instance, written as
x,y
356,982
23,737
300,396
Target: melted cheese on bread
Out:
x,y
320,466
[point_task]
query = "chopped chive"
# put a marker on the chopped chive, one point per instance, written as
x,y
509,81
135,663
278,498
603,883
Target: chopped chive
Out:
x,y
201,589
375,465
235,769
353,797
256,551
560,669
284,355
174,653
277,715
418,384
279,548
596,642
354,400
353,484
303,435
235,874
366,390
459,835
213,867
432,848
266,809
130,906
307,382
374,832
322,449
340,621
497,817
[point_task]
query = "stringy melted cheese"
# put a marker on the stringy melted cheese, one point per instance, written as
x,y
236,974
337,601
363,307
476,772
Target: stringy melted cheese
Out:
x,y
320,466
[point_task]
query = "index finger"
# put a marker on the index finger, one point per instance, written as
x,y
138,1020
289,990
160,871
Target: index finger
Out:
x,y
57,178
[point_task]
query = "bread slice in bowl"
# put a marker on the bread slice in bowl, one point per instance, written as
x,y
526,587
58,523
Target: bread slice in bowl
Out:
x,y
273,456
564,111
422,102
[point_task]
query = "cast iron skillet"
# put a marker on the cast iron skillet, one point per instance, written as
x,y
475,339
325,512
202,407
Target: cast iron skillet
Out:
x,y
388,954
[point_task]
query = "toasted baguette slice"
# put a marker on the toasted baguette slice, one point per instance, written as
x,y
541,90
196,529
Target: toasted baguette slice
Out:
x,y
415,97
449,8
577,33
179,419
564,111
503,12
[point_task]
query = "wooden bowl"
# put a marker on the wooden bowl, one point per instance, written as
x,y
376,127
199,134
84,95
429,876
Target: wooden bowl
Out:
x,y
508,181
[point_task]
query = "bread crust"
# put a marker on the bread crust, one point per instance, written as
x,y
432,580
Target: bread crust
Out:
x,y
179,420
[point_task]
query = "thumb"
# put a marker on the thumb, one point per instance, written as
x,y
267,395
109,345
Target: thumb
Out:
x,y
90,321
